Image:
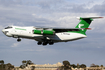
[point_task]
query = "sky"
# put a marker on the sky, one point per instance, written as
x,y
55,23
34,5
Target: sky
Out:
x,y
53,13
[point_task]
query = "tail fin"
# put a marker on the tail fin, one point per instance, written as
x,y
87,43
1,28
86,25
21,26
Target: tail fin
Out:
x,y
84,23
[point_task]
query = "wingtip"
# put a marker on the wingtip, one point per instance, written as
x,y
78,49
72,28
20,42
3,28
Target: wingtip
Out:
x,y
101,17
88,28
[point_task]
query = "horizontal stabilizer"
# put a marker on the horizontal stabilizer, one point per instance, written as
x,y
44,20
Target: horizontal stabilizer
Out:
x,y
88,18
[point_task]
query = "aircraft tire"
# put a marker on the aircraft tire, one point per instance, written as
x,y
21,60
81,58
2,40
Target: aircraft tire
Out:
x,y
18,40
44,43
39,43
51,43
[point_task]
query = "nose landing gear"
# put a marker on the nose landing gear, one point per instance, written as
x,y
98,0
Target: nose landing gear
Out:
x,y
18,39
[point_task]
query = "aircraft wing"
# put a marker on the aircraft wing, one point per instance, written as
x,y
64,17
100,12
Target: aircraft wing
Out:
x,y
58,30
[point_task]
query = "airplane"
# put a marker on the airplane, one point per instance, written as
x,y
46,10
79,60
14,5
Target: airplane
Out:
x,y
50,35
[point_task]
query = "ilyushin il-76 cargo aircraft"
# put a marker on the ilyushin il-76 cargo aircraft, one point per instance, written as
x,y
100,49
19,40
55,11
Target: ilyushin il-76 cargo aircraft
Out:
x,y
50,35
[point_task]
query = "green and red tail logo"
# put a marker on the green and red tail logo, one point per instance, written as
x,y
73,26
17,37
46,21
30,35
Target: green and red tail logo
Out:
x,y
84,23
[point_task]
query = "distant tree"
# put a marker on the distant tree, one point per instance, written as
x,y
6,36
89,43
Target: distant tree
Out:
x,y
78,66
2,63
22,66
73,65
29,62
66,65
25,63
101,66
82,66
9,66
97,65
93,65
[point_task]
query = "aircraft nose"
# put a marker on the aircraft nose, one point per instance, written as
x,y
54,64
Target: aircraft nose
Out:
x,y
3,31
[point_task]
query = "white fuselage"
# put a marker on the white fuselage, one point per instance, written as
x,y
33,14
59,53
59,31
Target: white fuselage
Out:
x,y
27,32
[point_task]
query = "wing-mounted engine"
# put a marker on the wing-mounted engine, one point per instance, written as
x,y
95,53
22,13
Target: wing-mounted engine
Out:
x,y
44,32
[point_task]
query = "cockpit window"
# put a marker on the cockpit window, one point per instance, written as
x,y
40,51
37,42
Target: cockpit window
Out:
x,y
8,27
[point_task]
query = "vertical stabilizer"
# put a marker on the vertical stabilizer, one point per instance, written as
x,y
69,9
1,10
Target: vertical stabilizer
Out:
x,y
84,23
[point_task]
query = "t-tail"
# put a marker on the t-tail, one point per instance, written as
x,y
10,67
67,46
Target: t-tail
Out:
x,y
84,24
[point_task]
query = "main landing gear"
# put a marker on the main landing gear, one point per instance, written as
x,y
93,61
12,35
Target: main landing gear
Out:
x,y
39,43
45,43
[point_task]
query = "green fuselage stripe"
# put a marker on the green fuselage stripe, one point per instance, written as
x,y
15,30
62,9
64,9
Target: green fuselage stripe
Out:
x,y
20,29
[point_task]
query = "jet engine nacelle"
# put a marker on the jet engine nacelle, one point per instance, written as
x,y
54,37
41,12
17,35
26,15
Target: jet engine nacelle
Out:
x,y
44,32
